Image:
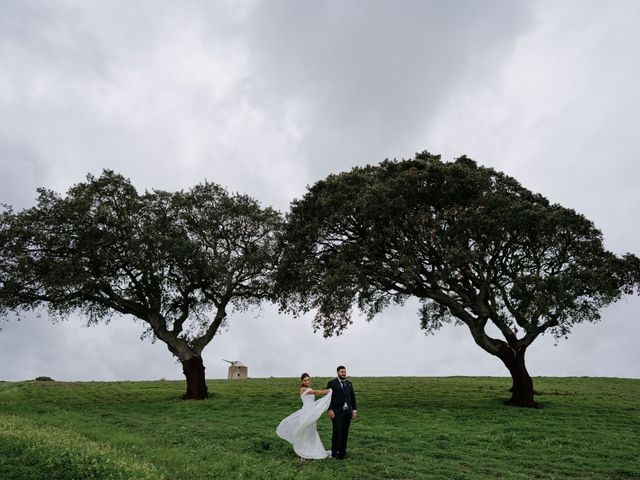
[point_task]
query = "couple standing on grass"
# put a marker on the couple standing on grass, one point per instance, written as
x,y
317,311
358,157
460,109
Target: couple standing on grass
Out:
x,y
339,402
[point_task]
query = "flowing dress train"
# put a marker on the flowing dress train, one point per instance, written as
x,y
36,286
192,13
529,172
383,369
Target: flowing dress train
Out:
x,y
299,428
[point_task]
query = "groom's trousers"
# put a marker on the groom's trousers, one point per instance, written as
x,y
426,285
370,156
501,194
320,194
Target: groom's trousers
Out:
x,y
341,425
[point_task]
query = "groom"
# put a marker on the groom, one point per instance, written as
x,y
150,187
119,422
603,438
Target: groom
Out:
x,y
341,411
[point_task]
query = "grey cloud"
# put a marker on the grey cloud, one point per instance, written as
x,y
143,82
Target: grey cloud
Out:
x,y
374,79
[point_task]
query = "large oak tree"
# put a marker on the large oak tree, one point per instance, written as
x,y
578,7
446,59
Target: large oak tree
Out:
x,y
473,245
176,261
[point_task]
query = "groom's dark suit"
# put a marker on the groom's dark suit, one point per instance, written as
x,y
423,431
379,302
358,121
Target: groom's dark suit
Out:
x,y
343,403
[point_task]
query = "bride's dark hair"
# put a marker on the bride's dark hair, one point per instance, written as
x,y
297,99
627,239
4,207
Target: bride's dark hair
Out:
x,y
302,376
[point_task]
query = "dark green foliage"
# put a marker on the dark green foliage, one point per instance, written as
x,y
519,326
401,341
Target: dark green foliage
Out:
x,y
470,242
106,248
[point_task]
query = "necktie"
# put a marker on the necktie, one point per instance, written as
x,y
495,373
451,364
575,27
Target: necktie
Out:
x,y
344,390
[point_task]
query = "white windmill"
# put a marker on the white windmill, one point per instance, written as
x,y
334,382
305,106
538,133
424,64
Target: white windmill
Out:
x,y
237,370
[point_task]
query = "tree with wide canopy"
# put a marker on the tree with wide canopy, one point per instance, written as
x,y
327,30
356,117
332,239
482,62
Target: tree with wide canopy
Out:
x,y
473,245
179,262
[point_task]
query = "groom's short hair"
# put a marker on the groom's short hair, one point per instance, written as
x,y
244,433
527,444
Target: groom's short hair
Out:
x,y
341,367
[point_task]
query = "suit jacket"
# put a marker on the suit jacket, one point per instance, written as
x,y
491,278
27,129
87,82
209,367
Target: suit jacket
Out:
x,y
341,396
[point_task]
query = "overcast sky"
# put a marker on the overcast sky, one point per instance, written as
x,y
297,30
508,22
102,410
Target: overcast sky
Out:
x,y
267,97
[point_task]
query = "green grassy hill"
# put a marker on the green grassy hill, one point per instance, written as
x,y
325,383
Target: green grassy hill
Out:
x,y
409,428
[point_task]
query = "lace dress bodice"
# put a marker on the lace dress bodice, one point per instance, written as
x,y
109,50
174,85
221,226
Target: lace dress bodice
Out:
x,y
308,399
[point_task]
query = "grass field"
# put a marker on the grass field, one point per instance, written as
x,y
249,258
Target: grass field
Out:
x,y
409,428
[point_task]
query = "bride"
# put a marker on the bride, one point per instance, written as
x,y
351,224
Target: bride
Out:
x,y
299,428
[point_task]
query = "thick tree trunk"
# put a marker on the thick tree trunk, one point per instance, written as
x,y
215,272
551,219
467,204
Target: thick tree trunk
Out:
x,y
522,386
193,370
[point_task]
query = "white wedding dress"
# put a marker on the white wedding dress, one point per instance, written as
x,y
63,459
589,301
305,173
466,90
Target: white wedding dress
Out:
x,y
299,428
